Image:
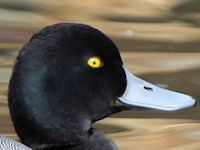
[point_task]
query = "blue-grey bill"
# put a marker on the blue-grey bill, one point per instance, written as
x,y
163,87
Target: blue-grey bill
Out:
x,y
143,94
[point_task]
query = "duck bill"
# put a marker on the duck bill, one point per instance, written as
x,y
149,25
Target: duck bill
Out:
x,y
140,93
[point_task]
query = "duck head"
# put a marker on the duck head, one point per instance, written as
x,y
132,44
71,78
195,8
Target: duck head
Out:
x,y
71,75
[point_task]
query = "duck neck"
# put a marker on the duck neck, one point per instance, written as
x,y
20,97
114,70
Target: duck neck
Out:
x,y
71,133
95,140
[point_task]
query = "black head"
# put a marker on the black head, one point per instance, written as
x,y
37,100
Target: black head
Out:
x,y
65,78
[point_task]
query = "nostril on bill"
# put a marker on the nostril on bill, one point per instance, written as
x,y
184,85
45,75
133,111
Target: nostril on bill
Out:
x,y
148,88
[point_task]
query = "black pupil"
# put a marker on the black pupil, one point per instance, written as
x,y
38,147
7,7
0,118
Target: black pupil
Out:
x,y
94,62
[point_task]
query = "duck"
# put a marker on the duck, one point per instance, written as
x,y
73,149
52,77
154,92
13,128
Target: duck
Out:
x,y
70,75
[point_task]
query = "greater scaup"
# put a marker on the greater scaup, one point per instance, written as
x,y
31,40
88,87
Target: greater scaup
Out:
x,y
67,77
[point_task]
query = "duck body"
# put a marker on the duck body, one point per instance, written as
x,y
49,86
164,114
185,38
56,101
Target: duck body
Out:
x,y
67,77
8,144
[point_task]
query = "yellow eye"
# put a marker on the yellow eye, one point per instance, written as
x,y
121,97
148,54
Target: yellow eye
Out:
x,y
95,62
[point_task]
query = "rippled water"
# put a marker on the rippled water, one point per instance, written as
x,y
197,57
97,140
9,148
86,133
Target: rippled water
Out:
x,y
156,43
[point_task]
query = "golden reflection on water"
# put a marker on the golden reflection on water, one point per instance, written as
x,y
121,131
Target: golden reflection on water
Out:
x,y
145,31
